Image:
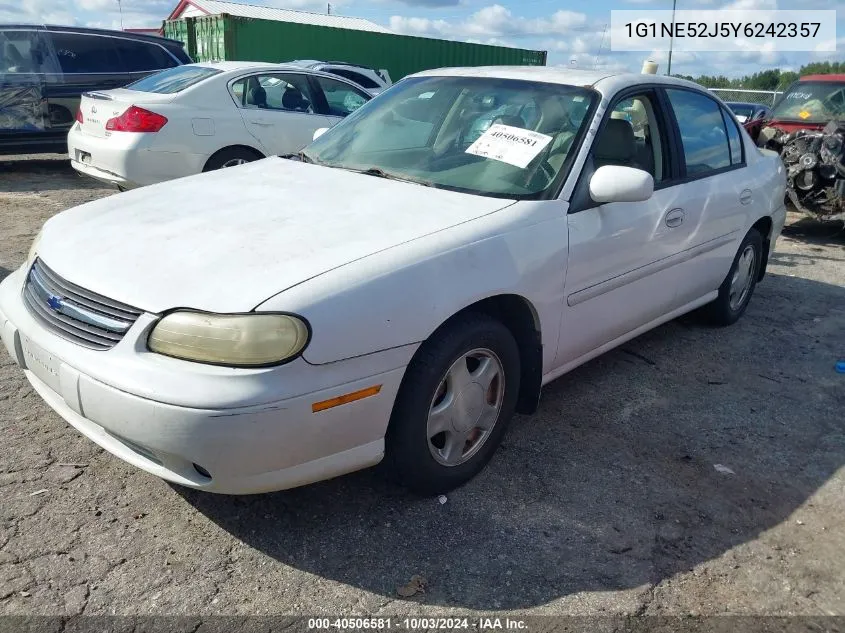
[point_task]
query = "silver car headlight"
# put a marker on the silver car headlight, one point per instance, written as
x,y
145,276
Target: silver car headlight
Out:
x,y
234,340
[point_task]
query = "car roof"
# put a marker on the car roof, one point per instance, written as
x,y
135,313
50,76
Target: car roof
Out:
x,y
239,67
91,31
605,81
315,62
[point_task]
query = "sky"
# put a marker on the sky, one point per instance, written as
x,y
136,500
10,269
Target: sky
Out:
x,y
572,32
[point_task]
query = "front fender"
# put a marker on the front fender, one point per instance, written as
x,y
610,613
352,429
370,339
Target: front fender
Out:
x,y
400,296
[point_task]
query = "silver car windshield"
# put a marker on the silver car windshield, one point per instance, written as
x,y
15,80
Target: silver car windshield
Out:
x,y
486,136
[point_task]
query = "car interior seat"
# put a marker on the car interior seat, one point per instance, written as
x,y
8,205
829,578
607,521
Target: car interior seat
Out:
x,y
616,145
257,97
292,99
511,120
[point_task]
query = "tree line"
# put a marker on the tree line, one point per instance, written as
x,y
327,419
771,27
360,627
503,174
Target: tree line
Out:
x,y
773,79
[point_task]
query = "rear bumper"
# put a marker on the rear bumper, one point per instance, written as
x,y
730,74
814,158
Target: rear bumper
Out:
x,y
128,160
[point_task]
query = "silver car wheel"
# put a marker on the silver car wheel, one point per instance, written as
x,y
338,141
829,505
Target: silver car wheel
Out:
x,y
233,162
466,407
743,277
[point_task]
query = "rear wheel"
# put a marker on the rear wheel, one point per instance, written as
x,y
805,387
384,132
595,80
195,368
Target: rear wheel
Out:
x,y
737,288
231,157
456,400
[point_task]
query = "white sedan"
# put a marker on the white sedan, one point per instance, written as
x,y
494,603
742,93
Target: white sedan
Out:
x,y
401,287
201,117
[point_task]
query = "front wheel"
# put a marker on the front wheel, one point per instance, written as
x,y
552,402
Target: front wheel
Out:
x,y
456,400
737,288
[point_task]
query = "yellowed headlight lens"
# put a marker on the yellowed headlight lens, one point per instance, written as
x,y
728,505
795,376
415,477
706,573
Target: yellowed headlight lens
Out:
x,y
240,340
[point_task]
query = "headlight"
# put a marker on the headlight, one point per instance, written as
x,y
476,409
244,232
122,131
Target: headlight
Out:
x,y
239,340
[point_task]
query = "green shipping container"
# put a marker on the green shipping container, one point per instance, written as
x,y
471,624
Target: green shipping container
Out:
x,y
226,37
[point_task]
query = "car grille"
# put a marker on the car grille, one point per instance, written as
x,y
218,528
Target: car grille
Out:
x,y
74,313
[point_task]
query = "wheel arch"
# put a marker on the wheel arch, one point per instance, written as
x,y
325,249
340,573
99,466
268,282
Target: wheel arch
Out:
x,y
764,226
258,153
520,317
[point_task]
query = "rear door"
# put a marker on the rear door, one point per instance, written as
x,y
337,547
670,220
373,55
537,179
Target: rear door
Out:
x,y
87,62
718,191
278,109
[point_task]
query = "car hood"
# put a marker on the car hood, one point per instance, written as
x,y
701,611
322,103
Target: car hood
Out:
x,y
226,241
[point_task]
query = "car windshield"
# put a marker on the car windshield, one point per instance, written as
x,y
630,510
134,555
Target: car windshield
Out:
x,y
812,101
493,137
173,80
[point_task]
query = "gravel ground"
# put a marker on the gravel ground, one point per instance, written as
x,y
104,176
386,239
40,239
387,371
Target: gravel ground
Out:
x,y
606,502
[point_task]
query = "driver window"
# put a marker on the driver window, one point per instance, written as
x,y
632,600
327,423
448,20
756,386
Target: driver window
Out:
x,y
631,138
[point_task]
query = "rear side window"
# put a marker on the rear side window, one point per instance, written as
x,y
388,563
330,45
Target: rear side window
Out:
x,y
734,139
358,78
78,53
703,135
173,80
142,56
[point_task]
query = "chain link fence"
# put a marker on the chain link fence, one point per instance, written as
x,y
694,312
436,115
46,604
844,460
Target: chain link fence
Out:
x,y
763,97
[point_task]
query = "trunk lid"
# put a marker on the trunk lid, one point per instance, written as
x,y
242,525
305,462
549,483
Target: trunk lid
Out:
x,y
98,106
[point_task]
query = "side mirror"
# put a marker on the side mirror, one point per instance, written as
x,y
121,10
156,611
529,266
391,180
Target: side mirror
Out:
x,y
614,183
319,133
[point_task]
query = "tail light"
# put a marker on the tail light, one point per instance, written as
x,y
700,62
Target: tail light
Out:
x,y
79,118
136,119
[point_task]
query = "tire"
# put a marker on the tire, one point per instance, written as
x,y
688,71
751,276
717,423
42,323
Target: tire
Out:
x,y
430,462
733,299
230,157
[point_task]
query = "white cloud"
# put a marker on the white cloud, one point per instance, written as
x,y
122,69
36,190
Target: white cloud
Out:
x,y
492,21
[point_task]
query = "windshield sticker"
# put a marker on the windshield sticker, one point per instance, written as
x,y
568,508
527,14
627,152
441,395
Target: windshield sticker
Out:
x,y
512,145
804,114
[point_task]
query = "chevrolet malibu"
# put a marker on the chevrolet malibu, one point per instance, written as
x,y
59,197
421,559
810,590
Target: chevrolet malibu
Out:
x,y
399,289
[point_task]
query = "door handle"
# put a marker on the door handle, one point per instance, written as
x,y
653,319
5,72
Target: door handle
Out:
x,y
262,123
746,196
674,218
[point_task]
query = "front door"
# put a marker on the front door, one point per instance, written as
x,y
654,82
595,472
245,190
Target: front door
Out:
x,y
622,271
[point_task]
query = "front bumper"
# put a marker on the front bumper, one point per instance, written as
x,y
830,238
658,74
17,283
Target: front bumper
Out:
x,y
246,447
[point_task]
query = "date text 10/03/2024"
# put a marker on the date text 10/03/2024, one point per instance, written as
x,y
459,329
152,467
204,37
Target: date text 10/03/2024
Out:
x,y
417,624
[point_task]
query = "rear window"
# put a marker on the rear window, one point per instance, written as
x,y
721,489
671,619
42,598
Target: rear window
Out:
x,y
174,79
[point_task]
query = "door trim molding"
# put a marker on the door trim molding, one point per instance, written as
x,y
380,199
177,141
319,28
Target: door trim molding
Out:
x,y
603,287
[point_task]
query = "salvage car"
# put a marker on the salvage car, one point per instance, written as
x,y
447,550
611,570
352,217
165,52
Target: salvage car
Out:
x,y
372,80
45,69
807,128
390,293
203,117
751,115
